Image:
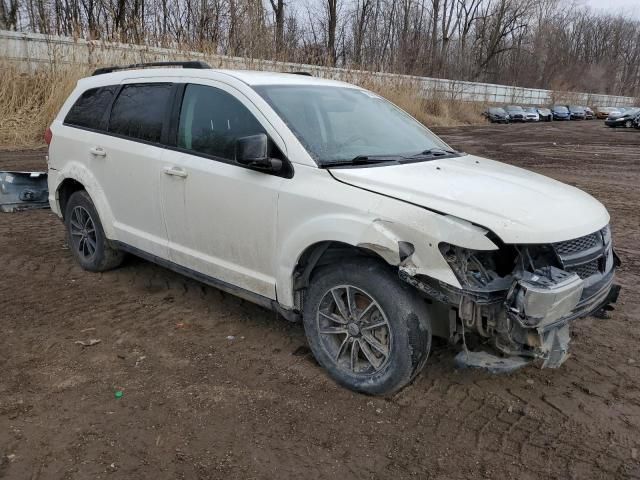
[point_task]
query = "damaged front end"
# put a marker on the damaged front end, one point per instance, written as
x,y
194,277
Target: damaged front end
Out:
x,y
521,298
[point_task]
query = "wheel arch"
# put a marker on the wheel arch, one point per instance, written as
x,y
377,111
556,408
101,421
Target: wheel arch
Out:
x,y
67,188
322,253
77,177
326,253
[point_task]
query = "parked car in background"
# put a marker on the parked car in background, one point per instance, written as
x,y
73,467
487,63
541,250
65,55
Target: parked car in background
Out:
x,y
560,112
589,115
617,111
516,113
576,112
496,115
624,119
531,114
603,112
545,114
376,235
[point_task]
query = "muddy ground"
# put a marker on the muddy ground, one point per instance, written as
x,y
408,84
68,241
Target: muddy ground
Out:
x,y
197,404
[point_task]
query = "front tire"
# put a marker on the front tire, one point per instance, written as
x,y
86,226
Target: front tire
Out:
x,y
628,124
85,235
368,329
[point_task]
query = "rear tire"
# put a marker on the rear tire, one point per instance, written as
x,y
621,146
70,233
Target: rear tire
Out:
x,y
85,235
367,328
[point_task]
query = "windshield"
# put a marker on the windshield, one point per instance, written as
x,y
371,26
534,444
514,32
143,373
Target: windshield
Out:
x,y
514,109
575,108
337,124
531,110
497,111
560,108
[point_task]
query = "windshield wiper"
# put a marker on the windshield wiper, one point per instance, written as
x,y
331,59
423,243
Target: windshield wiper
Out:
x,y
435,152
363,160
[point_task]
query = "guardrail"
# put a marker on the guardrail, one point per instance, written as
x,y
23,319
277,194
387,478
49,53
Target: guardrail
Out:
x,y
33,50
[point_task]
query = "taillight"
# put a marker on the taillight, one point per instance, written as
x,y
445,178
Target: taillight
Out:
x,y
48,135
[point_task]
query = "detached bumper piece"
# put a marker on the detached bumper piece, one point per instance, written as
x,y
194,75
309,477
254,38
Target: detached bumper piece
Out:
x,y
23,190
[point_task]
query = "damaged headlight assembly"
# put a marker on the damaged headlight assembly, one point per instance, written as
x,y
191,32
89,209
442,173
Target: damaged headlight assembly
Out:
x,y
533,296
516,297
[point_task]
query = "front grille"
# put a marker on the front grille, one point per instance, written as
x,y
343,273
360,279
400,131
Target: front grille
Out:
x,y
578,244
586,270
587,255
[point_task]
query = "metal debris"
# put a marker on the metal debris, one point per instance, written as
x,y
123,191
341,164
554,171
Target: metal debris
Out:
x,y
88,343
492,363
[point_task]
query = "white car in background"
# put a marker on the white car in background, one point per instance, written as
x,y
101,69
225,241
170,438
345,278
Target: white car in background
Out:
x,y
531,114
325,202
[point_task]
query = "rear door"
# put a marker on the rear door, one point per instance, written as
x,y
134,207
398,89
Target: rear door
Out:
x,y
220,216
127,162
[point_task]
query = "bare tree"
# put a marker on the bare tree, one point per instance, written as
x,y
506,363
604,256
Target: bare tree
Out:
x,y
9,14
332,22
278,12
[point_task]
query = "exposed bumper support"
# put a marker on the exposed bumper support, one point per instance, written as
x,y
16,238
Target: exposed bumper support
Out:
x,y
532,319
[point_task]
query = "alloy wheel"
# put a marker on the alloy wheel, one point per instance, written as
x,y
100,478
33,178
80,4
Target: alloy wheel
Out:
x,y
354,330
83,232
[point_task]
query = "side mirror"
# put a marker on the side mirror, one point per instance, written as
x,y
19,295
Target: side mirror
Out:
x,y
252,151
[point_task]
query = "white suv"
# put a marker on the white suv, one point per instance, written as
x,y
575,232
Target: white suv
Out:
x,y
325,202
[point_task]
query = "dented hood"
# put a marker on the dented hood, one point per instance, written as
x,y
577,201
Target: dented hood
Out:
x,y
517,205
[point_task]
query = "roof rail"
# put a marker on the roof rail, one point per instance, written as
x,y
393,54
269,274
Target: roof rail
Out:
x,y
187,64
306,74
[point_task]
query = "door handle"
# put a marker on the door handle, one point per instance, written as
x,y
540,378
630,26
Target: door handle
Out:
x,y
175,171
97,152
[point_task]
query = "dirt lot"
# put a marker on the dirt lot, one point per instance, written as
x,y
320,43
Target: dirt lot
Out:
x,y
199,405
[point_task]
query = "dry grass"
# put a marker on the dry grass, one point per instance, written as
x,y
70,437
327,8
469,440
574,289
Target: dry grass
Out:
x,y
431,109
30,101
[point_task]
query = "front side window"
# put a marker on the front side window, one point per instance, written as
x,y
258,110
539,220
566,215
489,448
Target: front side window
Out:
x,y
139,111
336,124
211,120
89,109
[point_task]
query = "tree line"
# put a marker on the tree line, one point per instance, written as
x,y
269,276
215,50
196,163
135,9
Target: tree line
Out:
x,y
553,44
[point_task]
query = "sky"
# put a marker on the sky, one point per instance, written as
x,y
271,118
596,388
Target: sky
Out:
x,y
631,7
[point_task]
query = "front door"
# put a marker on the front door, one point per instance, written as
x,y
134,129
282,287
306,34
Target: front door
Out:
x,y
220,216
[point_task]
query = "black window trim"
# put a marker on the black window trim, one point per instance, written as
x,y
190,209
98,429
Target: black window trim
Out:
x,y
170,123
105,115
165,121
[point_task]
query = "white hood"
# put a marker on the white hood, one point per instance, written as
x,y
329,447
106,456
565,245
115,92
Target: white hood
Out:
x,y
517,205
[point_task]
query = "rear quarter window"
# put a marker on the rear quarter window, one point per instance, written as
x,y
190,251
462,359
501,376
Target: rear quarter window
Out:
x,y
90,108
139,111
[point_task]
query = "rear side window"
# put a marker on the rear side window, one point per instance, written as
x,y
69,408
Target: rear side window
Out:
x,y
89,109
139,111
211,120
